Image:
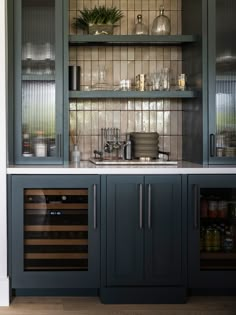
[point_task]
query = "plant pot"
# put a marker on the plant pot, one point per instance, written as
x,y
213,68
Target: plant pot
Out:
x,y
100,29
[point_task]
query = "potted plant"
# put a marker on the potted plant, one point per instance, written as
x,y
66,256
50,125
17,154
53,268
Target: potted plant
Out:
x,y
99,20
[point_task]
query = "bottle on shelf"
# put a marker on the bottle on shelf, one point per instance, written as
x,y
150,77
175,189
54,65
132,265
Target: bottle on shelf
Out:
x,y
74,78
140,28
161,24
40,145
128,149
75,152
26,145
228,243
75,156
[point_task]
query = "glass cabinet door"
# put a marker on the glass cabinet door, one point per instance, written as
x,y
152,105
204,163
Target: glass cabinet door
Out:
x,y
38,102
222,81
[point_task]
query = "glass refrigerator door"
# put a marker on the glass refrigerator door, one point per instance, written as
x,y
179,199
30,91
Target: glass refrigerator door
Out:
x,y
55,229
38,87
218,229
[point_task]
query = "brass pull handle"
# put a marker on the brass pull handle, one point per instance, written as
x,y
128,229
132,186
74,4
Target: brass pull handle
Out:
x,y
149,206
140,206
94,206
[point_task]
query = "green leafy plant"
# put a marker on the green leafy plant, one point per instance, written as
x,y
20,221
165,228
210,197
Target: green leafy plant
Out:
x,y
97,15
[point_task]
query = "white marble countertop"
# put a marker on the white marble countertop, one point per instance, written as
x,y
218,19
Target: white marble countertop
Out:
x,y
87,167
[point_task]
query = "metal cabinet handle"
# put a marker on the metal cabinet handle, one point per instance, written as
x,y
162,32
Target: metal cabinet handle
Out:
x,y
195,206
59,145
212,145
94,206
149,206
140,206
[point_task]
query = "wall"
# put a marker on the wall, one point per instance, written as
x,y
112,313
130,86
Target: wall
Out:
x,y
162,116
4,283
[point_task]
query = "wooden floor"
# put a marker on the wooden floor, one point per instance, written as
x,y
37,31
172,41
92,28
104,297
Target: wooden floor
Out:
x,y
92,306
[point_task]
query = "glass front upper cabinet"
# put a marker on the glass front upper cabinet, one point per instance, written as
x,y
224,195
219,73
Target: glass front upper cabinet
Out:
x,y
222,81
39,96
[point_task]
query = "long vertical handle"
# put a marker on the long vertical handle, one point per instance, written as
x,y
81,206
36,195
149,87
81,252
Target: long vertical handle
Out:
x,y
195,206
149,206
212,145
140,206
94,206
59,145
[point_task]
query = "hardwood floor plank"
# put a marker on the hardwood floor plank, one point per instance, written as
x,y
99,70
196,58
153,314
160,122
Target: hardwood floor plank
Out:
x,y
92,306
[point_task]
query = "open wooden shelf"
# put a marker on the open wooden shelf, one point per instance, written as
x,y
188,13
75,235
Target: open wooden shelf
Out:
x,y
56,242
49,228
131,94
56,255
219,256
131,40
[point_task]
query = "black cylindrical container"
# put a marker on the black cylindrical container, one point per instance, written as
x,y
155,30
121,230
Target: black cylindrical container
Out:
x,y
74,78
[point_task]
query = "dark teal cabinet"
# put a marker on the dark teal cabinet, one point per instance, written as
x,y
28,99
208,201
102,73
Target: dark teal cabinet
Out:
x,y
125,230
209,120
211,232
38,86
144,231
55,231
163,230
222,83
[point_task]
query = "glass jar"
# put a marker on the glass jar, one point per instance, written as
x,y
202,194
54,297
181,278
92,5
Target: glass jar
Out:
x,y
161,24
140,28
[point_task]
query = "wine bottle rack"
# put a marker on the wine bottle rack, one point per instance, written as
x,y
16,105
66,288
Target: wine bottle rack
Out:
x,y
55,229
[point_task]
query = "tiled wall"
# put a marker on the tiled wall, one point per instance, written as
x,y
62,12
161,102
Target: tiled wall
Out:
x,y
164,116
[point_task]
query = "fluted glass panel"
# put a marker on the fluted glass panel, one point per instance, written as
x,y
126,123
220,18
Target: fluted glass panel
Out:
x,y
38,78
225,78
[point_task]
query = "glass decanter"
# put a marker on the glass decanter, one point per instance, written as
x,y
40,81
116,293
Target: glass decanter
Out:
x,y
161,24
140,28
102,84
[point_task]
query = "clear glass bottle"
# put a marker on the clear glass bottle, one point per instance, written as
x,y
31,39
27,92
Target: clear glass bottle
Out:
x,y
165,79
161,24
140,28
75,156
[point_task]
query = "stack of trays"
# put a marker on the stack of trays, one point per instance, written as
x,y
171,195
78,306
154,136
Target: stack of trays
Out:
x,y
145,145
